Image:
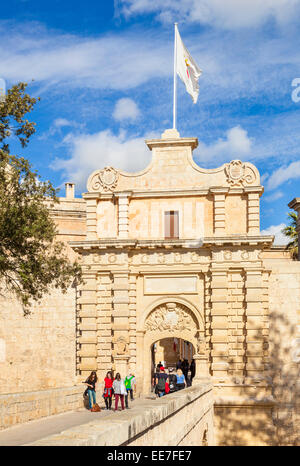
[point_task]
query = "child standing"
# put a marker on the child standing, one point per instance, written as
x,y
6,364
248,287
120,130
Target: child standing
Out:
x,y
129,384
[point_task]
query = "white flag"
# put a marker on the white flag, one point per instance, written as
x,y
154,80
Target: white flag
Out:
x,y
187,69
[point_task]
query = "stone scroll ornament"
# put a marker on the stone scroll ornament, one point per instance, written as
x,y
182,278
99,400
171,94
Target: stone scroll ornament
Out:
x,y
171,317
239,173
104,180
120,346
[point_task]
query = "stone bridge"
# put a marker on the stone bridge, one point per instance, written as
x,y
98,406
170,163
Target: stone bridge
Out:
x,y
184,418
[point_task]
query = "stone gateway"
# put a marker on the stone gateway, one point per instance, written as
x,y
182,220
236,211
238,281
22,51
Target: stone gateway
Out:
x,y
174,264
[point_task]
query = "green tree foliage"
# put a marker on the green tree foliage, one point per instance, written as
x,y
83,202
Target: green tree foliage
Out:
x,y
32,261
291,233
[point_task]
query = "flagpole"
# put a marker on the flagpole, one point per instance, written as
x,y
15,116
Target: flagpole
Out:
x,y
175,80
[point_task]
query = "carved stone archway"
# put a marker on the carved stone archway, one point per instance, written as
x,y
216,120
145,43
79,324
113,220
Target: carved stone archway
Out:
x,y
169,319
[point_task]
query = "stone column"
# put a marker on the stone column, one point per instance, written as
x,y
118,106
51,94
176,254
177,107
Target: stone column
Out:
x,y
91,215
104,321
132,323
257,325
208,317
219,324
236,317
121,327
253,211
123,221
87,326
202,372
142,376
219,210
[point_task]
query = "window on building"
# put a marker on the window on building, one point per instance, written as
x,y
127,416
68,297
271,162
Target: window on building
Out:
x,y
172,224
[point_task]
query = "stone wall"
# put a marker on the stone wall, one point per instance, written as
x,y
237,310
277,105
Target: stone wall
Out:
x,y
23,407
38,351
264,409
285,348
244,422
184,418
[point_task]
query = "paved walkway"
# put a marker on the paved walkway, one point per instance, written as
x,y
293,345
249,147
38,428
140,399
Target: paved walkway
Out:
x,y
38,429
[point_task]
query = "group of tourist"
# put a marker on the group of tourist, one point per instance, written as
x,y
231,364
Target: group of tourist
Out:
x,y
167,381
120,388
163,383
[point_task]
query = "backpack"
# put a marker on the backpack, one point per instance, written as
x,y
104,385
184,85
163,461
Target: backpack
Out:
x,y
161,384
172,382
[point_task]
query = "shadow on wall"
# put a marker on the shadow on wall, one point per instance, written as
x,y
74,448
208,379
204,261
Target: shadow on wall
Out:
x,y
277,424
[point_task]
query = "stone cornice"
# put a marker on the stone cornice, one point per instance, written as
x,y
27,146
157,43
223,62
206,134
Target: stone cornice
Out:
x,y
295,203
116,243
174,193
192,142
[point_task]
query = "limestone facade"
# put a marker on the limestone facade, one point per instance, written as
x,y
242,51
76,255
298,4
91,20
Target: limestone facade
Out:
x,y
175,251
207,284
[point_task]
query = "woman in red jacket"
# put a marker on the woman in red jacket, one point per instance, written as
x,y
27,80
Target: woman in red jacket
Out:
x,y
108,390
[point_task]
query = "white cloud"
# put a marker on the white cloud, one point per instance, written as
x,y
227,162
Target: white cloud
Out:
x,y
60,122
283,174
126,109
229,14
90,152
111,61
236,145
57,125
274,197
276,230
234,65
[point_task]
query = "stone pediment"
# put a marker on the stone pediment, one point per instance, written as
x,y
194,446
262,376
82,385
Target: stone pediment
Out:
x,y
173,168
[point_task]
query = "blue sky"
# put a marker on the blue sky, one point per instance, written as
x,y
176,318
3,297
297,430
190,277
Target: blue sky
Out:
x,y
103,70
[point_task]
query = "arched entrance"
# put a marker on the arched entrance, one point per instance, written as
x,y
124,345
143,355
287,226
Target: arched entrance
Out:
x,y
168,351
167,321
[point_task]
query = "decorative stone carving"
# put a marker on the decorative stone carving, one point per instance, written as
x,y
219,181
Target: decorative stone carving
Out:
x,y
228,255
104,180
239,173
120,346
245,255
171,316
200,345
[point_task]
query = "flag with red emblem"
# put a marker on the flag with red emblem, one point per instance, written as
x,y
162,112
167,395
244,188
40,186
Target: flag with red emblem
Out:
x,y
186,68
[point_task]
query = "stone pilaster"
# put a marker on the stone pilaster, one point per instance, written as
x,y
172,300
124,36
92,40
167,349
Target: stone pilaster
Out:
x,y
87,325
143,380
236,317
219,210
252,211
121,325
132,322
123,221
257,325
208,318
91,215
104,321
219,323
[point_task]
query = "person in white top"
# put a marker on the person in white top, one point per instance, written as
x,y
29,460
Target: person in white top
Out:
x,y
119,391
